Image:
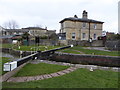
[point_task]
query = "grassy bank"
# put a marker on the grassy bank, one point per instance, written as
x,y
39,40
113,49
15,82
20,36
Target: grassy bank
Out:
x,y
39,69
2,61
6,45
74,50
79,49
29,48
81,78
33,48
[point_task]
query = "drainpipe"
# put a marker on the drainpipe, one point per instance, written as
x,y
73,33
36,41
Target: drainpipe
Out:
x,y
90,39
89,31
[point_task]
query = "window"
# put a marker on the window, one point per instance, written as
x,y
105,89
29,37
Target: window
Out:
x,y
94,36
84,25
5,33
84,35
95,26
73,36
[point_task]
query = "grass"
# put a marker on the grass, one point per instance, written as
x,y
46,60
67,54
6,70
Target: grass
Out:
x,y
70,51
29,48
6,45
39,69
74,50
2,61
89,51
81,78
33,48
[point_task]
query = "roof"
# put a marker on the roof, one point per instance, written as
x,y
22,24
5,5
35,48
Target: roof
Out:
x,y
2,29
34,28
80,20
16,37
7,36
19,30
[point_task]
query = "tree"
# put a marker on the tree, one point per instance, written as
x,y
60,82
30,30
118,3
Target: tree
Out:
x,y
113,37
53,36
26,36
12,24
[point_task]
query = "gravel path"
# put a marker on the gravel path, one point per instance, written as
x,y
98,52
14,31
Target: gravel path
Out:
x,y
97,48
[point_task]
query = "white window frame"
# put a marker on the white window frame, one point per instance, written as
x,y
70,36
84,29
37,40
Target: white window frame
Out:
x,y
94,36
95,26
83,35
84,25
73,36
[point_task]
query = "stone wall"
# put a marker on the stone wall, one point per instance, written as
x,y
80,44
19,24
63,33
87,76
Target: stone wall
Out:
x,y
76,27
62,42
95,43
113,45
44,42
112,61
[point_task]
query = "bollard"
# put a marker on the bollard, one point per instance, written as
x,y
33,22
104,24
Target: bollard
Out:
x,y
21,52
18,47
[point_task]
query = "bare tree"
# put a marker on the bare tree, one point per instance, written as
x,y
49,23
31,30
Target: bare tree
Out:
x,y
12,24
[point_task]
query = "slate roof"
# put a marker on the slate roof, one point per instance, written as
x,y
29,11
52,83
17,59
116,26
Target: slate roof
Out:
x,y
19,30
34,28
7,36
81,20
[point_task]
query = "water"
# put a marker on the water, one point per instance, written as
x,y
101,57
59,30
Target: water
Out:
x,y
12,57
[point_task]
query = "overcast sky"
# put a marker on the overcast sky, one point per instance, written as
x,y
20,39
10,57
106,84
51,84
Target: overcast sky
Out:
x,y
48,13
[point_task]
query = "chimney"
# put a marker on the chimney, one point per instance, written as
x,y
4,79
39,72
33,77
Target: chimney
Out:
x,y
84,14
75,16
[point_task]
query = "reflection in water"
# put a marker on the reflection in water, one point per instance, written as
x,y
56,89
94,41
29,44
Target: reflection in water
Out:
x,y
12,57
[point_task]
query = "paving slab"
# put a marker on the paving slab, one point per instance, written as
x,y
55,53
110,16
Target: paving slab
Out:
x,y
66,71
61,73
115,69
30,79
40,77
46,76
54,74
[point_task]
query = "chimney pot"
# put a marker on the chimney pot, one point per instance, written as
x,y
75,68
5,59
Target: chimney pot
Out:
x,y
84,14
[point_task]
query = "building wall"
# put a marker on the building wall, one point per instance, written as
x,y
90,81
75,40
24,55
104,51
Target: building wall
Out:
x,y
77,27
41,32
37,32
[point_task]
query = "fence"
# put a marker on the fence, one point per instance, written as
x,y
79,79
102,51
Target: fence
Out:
x,y
86,43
